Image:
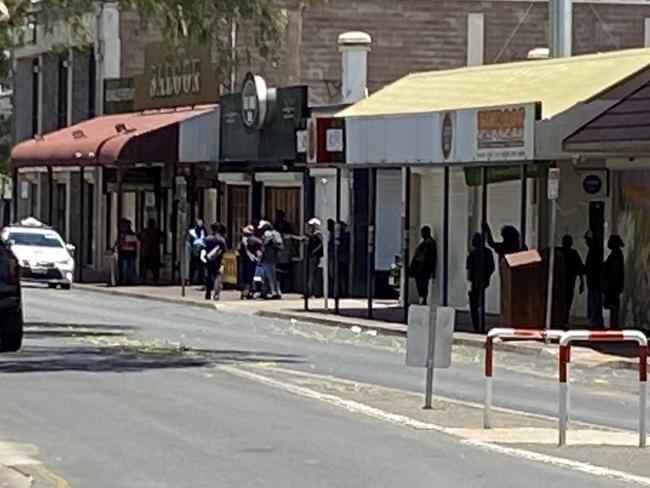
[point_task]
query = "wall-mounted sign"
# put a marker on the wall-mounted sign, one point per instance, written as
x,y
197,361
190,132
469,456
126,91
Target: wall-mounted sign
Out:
x,y
447,135
592,184
504,133
176,76
254,101
119,94
323,142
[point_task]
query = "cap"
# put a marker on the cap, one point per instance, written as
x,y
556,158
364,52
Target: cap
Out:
x,y
314,221
263,223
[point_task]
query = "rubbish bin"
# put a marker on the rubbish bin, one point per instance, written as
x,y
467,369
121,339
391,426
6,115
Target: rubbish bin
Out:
x,y
523,290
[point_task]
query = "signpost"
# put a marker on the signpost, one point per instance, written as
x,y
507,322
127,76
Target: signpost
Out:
x,y
181,222
429,341
553,192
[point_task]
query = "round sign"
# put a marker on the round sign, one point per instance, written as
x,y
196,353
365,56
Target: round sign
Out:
x,y
592,184
447,134
253,107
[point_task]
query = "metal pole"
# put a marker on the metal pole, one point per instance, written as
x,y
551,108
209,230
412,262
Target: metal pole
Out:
x,y
428,393
445,240
80,251
551,267
370,271
643,404
564,354
484,209
524,204
14,195
406,244
337,241
50,199
560,27
307,259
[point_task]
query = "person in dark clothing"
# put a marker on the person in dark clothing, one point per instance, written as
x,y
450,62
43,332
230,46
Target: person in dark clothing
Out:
x,y
150,239
214,247
573,269
195,238
423,264
127,253
480,268
281,224
344,260
510,244
594,274
285,262
614,280
273,246
248,260
315,253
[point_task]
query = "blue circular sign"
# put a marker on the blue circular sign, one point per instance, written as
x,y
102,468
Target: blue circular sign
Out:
x,y
592,184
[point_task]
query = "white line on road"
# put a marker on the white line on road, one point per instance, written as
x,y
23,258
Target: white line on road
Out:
x,y
356,407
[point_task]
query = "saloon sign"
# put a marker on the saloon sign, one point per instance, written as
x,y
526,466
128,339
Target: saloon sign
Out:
x,y
174,77
505,133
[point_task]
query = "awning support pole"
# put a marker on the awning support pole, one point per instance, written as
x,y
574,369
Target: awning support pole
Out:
x,y
80,251
370,271
445,241
50,199
337,242
524,204
406,241
14,195
484,210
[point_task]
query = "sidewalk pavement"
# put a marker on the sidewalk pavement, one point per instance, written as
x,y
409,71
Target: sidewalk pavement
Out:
x,y
387,320
11,478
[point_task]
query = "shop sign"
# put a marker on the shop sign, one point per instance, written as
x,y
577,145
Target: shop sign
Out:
x,y
498,174
254,101
447,135
505,133
592,184
119,94
176,76
323,141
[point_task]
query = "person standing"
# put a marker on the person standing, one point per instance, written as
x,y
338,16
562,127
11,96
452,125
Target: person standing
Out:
x,y
480,268
573,269
423,264
614,280
127,252
315,253
344,260
285,229
510,244
150,251
211,255
273,246
594,275
250,252
196,236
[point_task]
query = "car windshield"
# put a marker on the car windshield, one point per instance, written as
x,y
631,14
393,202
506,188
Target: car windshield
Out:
x,y
48,239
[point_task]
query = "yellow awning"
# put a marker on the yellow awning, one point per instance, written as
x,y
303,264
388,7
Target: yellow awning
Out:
x,y
557,83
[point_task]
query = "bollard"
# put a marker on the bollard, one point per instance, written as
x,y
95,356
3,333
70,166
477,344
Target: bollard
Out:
x,y
601,336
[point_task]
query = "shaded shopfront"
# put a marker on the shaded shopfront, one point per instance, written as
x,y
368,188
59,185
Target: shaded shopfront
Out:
x,y
621,137
397,147
85,178
259,169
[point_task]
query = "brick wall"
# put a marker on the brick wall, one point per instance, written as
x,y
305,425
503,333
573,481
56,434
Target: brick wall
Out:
x,y
80,86
418,35
50,97
134,37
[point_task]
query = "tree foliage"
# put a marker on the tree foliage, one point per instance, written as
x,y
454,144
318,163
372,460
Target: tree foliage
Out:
x,y
204,21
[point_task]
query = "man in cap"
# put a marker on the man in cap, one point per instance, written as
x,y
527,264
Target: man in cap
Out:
x,y
315,253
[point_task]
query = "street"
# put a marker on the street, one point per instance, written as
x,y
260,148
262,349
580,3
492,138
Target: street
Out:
x,y
123,392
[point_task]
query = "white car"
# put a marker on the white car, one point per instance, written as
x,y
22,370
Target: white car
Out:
x,y
43,256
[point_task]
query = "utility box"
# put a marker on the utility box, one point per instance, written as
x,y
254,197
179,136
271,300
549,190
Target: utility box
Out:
x,y
523,290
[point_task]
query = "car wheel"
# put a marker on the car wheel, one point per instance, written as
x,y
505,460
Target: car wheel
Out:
x,y
66,286
52,285
11,331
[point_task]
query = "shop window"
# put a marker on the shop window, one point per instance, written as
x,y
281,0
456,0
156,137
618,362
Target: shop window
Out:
x,y
33,201
36,101
238,211
90,218
62,114
92,85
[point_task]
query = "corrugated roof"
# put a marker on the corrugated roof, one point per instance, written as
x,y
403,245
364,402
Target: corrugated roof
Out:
x,y
557,83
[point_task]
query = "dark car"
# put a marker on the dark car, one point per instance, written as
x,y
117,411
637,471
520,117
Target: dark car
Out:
x,y
11,311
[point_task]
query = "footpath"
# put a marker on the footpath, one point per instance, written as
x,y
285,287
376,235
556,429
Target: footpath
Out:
x,y
353,315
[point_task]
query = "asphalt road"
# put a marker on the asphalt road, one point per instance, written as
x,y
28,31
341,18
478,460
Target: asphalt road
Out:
x,y
105,394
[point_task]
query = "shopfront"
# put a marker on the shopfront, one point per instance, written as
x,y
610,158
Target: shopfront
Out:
x,y
259,171
453,140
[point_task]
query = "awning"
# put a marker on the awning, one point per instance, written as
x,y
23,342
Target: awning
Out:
x,y
622,129
558,84
153,136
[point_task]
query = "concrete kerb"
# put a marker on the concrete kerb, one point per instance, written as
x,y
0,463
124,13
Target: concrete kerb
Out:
x,y
460,338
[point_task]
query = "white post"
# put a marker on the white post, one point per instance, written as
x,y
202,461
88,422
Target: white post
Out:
x,y
563,413
487,413
643,402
